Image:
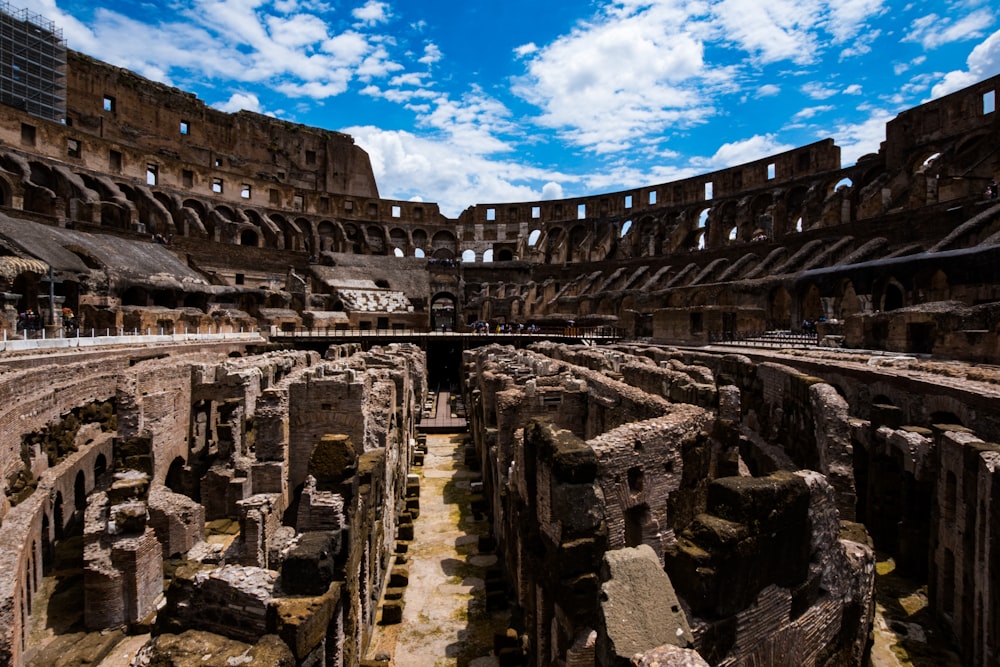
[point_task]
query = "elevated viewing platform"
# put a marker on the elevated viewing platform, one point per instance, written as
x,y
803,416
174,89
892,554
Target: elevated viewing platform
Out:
x,y
368,337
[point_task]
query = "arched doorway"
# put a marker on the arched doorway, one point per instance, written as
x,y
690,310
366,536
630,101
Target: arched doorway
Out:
x,y
443,308
779,314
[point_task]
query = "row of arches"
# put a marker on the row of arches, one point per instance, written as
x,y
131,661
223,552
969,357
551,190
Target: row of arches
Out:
x,y
829,199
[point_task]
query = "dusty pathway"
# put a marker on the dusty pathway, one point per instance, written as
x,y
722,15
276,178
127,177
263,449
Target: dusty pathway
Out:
x,y
445,622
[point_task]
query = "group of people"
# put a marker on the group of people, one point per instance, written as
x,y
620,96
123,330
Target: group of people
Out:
x,y
810,327
507,328
29,320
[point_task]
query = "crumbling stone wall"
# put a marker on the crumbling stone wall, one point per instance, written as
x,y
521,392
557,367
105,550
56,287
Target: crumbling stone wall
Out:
x,y
964,565
187,428
560,499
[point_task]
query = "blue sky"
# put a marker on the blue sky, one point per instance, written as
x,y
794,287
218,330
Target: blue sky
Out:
x,y
487,102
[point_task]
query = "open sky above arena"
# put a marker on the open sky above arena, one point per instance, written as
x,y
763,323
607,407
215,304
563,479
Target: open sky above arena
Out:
x,y
514,100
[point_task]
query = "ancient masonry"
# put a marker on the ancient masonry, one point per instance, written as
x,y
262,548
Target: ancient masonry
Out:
x,y
219,478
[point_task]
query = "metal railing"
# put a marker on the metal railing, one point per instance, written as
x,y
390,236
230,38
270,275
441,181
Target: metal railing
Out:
x,y
42,339
771,338
588,333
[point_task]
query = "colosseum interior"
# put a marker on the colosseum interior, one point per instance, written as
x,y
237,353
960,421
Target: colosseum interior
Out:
x,y
746,418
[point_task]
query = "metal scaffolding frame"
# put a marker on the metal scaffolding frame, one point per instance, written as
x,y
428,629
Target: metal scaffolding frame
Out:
x,y
32,63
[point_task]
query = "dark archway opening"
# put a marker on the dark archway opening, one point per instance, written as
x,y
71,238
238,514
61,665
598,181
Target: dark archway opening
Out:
x,y
443,312
893,298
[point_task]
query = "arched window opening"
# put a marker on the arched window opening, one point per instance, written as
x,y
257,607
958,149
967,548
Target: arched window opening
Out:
x,y
249,238
100,467
505,255
488,256
732,234
703,218
398,252
469,256
929,160
627,226
79,493
798,224
419,252
175,476
843,183
533,237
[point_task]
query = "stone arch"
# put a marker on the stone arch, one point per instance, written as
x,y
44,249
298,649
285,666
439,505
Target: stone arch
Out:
x,y
727,223
419,238
303,235
58,516
811,305
192,218
578,250
249,237
289,238
847,300
796,212
645,238
779,309
352,238
79,493
761,220
944,417
279,224
376,239
505,255
40,191
175,475
555,246
135,295
100,468
267,233
844,181
444,309
445,245
6,192
468,256
607,306
398,238
888,294
326,233
930,284
488,256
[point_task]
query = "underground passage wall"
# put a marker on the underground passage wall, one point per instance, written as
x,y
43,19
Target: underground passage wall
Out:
x,y
759,487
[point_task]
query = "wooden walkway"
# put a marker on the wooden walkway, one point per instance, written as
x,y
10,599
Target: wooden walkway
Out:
x,y
440,418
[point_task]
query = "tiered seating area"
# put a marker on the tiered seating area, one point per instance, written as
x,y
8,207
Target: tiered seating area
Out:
x,y
375,301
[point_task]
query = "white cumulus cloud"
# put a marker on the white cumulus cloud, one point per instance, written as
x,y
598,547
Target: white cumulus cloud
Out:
x,y
983,62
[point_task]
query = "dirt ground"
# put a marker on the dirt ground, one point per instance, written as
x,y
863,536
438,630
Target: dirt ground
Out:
x,y
445,622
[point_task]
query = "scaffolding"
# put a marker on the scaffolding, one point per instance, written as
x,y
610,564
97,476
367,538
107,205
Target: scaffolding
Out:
x,y
32,63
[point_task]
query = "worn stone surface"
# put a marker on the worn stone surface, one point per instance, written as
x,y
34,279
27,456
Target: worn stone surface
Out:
x,y
195,648
639,610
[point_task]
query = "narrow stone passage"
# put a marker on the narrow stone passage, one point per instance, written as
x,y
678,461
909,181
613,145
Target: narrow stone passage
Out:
x,y
445,621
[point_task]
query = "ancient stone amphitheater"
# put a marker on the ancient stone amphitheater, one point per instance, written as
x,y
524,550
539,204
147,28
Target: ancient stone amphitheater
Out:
x,y
703,417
